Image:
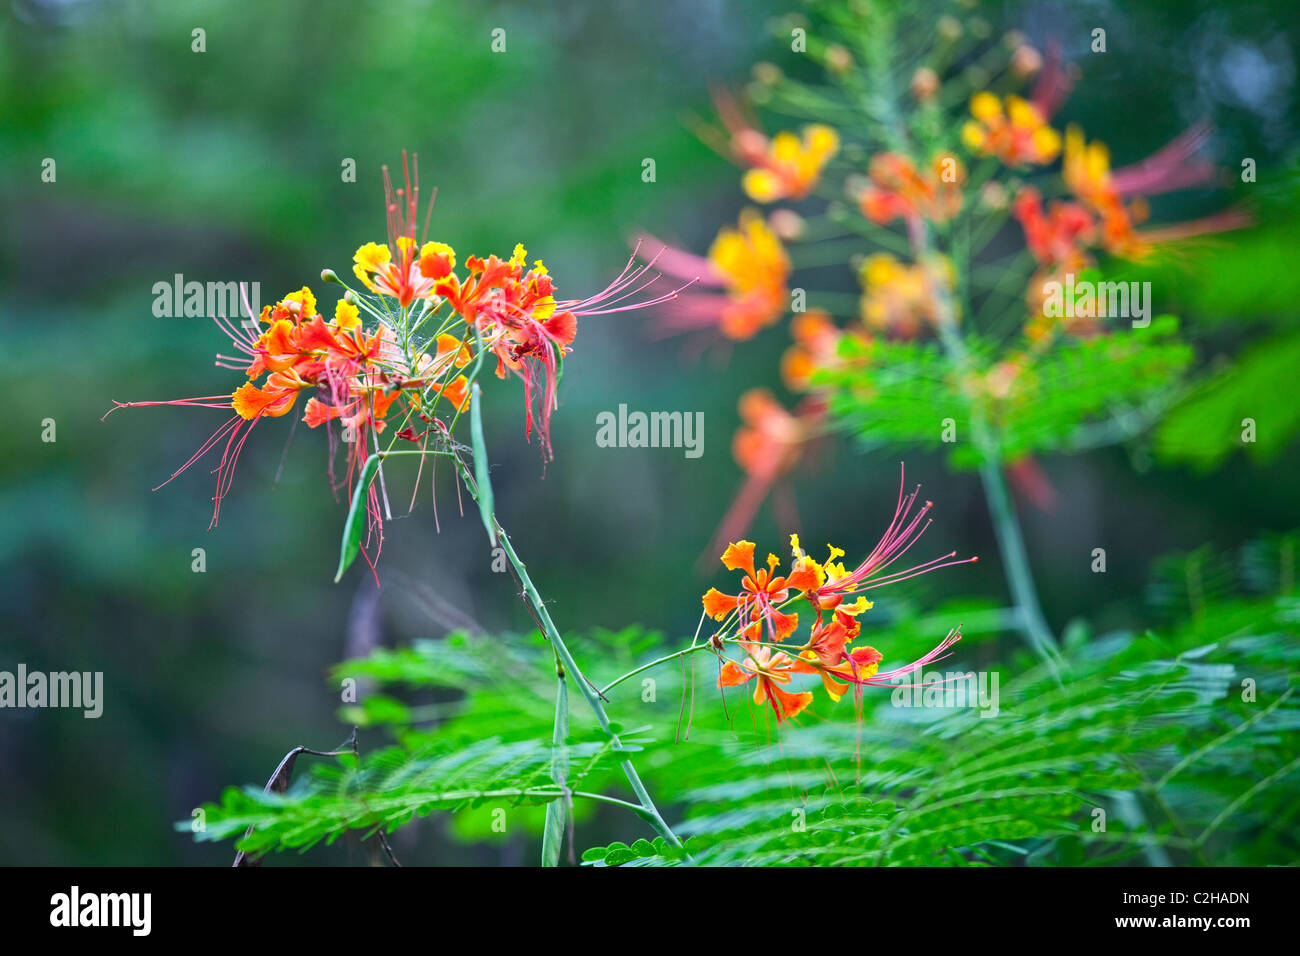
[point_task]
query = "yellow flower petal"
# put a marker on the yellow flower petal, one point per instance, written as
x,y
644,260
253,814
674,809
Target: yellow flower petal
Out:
x,y
346,316
985,106
1048,143
371,256
762,185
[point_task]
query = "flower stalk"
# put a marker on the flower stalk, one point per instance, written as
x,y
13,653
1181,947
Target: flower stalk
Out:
x,y
590,694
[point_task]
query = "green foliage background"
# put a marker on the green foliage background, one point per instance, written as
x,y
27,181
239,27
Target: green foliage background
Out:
x,y
225,166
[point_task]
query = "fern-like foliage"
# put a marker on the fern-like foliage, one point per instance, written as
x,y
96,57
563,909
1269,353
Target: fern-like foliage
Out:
x,y
1178,745
392,786
1212,423
897,393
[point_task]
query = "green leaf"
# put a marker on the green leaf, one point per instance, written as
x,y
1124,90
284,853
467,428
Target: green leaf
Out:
x,y
481,476
451,773
351,543
892,394
936,784
377,709
1206,428
617,854
944,787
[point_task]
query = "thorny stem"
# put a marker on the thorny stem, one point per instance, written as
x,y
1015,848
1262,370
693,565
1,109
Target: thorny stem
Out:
x,y
538,607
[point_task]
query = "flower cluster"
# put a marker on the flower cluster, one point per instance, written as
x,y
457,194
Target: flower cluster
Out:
x,y
1107,205
900,298
763,617
1014,130
405,345
790,166
786,166
898,190
929,189
747,266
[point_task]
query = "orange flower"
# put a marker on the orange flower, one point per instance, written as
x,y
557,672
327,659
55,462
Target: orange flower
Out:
x,y
770,438
786,166
456,391
413,273
1085,168
1087,172
363,405
1057,237
900,298
749,264
516,313
274,399
772,671
356,378
835,584
754,268
1012,130
790,166
360,377
762,592
411,276
829,587
828,642
899,191
830,659
860,667
768,444
816,339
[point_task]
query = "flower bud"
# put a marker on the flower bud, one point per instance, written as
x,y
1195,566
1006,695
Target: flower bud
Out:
x,y
1026,61
787,224
767,74
925,83
838,59
994,195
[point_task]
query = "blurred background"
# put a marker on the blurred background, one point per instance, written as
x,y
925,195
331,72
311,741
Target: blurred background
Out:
x,y
225,166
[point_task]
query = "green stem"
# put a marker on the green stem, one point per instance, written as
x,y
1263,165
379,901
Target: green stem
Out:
x,y
1006,526
1015,561
558,818
1233,807
1011,545
655,663
588,693
552,633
